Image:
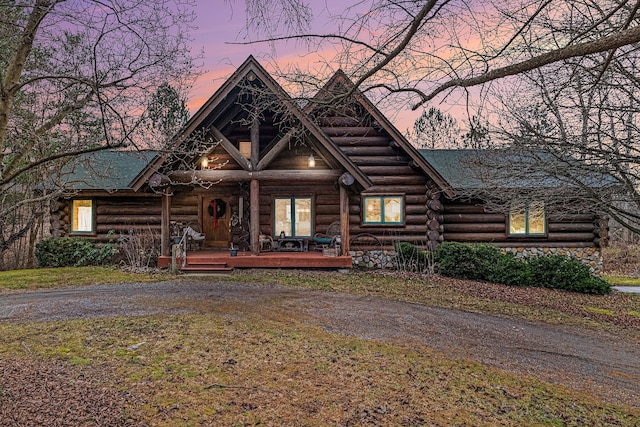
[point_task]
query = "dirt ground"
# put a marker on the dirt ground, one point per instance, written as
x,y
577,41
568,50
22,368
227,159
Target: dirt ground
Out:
x,y
606,364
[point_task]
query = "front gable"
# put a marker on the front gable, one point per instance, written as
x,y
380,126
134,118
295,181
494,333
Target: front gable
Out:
x,y
368,138
249,126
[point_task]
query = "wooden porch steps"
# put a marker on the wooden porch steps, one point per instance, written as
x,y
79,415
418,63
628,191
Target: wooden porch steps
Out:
x,y
206,266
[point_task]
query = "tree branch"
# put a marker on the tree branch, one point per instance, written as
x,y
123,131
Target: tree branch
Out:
x,y
603,44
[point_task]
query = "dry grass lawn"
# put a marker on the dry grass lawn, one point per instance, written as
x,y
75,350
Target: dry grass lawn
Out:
x,y
234,367
231,369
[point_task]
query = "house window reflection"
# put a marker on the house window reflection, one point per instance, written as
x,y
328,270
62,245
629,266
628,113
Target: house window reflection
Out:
x,y
292,216
383,210
527,219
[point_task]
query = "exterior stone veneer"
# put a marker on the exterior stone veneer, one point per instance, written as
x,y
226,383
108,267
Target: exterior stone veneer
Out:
x,y
590,256
373,259
386,259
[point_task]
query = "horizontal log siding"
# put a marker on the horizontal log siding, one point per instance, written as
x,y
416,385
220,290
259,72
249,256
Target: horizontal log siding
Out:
x,y
185,208
326,203
220,159
388,168
470,223
114,215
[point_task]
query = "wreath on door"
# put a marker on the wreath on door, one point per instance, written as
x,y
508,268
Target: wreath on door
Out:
x,y
217,210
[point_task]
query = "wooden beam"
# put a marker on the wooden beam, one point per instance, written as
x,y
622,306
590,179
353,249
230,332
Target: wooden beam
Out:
x,y
399,180
475,208
165,220
545,244
229,148
491,227
369,141
254,216
126,228
351,131
273,152
254,132
117,193
131,219
369,151
457,218
296,175
127,209
344,221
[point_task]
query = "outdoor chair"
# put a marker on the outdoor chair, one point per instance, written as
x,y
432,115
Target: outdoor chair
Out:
x,y
194,236
330,239
266,243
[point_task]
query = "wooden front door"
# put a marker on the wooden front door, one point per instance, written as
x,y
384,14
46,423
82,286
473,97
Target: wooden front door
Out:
x,y
216,215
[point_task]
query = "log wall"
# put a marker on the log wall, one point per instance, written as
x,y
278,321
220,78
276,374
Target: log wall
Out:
x,y
389,168
468,222
326,203
114,215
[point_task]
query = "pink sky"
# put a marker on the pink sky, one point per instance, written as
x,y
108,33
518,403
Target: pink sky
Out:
x,y
220,23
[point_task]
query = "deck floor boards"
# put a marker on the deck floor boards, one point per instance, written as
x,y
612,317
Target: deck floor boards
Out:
x,y
309,259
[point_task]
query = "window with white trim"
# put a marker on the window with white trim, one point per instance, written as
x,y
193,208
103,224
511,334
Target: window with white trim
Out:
x,y
527,219
82,216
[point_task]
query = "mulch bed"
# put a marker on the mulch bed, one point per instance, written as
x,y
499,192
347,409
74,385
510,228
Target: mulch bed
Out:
x,y
54,393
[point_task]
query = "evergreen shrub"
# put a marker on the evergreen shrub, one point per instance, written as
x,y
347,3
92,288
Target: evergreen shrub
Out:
x,y
561,272
466,261
487,262
72,252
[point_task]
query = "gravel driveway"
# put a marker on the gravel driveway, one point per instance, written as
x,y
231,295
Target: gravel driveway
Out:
x,y
573,357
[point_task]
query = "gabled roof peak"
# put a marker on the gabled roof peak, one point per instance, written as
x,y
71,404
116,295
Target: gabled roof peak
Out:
x,y
221,97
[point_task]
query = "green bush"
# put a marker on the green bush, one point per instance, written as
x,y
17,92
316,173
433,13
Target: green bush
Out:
x,y
466,261
72,252
486,262
561,272
511,271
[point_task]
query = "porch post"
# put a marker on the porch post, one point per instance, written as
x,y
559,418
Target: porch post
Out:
x,y
254,216
165,218
344,221
254,134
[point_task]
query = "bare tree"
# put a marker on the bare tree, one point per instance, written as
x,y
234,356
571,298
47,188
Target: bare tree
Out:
x,y
564,72
76,77
579,128
419,50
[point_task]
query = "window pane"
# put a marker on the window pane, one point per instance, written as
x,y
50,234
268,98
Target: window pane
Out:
x,y
303,217
245,148
82,216
517,220
283,216
536,218
392,209
372,209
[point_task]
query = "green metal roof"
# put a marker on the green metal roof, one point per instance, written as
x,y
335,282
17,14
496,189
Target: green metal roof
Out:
x,y
450,164
496,169
105,170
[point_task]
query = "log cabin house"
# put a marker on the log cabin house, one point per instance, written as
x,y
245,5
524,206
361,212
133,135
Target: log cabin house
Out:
x,y
256,170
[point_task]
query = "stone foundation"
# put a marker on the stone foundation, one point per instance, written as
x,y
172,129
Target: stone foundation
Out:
x,y
373,259
590,256
386,259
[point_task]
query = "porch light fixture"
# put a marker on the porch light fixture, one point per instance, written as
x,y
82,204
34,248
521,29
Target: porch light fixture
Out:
x,y
312,161
205,162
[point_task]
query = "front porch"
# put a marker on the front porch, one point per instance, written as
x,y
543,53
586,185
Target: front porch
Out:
x,y
210,260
